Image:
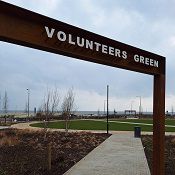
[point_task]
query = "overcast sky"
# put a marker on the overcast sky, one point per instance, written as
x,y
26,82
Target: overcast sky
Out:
x,y
148,25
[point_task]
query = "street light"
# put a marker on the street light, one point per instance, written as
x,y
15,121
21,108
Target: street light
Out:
x,y
104,107
140,105
28,93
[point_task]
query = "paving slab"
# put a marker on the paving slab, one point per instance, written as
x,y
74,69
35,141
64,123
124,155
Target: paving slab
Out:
x,y
4,127
120,154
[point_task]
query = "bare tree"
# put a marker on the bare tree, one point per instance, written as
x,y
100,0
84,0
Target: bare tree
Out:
x,y
49,107
51,103
46,105
68,106
5,103
55,99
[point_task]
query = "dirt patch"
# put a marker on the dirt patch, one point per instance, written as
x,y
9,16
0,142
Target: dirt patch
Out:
x,y
25,152
169,153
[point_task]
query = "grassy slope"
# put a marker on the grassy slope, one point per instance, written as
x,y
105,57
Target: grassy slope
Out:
x,y
93,125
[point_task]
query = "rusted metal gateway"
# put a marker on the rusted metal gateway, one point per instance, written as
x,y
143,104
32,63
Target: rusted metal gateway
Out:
x,y
26,28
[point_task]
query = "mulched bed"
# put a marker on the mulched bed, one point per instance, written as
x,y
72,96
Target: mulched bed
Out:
x,y
169,153
25,152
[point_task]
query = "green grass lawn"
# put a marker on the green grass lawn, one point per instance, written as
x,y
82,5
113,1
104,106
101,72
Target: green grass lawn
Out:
x,y
101,125
149,121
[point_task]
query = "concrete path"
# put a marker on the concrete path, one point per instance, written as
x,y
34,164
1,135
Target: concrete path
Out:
x,y
26,126
120,154
4,127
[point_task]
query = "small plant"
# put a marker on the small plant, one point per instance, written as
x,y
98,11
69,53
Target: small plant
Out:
x,y
2,172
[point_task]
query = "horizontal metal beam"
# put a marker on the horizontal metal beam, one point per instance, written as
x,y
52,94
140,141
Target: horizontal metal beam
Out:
x,y
26,28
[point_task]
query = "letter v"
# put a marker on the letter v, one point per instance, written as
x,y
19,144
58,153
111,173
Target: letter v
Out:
x,y
49,33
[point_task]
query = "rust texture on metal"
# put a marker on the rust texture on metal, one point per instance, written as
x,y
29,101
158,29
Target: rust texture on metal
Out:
x,y
27,28
159,125
23,27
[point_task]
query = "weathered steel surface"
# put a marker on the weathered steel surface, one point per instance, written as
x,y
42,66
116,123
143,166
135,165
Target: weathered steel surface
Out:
x,y
26,28
23,27
159,125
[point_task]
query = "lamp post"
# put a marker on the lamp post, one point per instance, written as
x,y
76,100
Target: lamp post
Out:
x,y
104,107
28,95
140,105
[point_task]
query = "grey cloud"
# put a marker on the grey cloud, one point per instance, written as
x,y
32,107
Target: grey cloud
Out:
x,y
144,24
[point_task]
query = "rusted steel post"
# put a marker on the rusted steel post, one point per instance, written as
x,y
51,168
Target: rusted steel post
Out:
x,y
159,125
107,110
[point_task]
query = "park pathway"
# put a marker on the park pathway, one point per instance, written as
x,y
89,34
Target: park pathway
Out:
x,y
120,154
4,127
